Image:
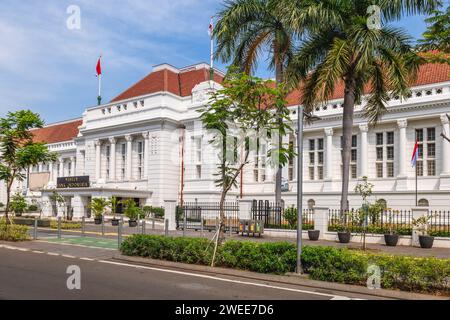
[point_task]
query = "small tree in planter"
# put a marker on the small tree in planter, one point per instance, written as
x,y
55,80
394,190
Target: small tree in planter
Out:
x,y
98,207
18,204
290,215
113,204
421,225
132,212
364,189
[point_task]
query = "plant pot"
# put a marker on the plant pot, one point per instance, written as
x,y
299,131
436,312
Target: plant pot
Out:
x,y
391,239
98,221
344,237
132,223
115,222
313,235
426,242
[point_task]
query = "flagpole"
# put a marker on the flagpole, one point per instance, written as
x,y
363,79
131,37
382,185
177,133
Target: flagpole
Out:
x,y
99,98
417,198
212,51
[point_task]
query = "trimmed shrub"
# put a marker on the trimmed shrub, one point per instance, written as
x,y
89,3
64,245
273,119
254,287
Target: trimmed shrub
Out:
x,y
65,225
321,263
13,232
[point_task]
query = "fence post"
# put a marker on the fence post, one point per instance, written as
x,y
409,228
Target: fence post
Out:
x,y
166,227
416,213
153,223
119,232
170,208
321,221
83,226
35,228
59,227
143,226
245,209
103,226
184,222
202,227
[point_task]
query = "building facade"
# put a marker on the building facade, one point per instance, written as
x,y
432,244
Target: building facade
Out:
x,y
148,144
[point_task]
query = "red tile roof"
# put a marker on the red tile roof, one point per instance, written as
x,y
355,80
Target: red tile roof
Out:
x,y
428,74
58,132
180,84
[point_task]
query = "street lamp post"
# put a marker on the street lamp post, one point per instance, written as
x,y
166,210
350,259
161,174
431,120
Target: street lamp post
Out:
x,y
300,112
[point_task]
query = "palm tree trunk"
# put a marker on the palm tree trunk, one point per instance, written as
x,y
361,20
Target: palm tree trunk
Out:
x,y
278,79
347,125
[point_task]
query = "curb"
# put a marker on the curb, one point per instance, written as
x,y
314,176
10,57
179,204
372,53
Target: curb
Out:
x,y
289,279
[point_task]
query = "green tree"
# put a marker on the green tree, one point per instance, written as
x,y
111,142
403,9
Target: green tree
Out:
x,y
18,204
113,203
345,47
437,35
18,151
244,30
236,118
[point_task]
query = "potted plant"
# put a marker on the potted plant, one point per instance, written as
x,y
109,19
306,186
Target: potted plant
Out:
x,y
98,206
132,212
113,203
420,224
391,238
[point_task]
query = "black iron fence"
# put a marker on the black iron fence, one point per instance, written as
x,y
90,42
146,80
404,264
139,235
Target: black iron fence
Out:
x,y
276,216
439,223
205,216
377,222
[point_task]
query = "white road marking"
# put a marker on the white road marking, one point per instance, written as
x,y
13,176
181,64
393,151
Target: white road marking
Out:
x,y
53,254
68,256
38,252
87,259
334,297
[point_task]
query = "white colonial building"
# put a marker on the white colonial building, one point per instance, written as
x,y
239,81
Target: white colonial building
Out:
x,y
136,146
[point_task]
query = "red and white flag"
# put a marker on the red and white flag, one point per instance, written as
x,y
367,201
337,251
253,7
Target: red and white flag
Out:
x,y
211,28
99,66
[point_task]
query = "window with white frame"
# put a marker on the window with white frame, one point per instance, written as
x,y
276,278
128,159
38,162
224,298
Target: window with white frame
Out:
x,y
123,160
426,163
353,157
197,156
260,159
108,162
316,157
385,155
140,164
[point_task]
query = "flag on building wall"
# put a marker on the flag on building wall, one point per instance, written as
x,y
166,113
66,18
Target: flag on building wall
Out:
x,y
415,155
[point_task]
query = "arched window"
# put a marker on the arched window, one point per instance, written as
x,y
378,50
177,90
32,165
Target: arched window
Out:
x,y
311,204
382,203
424,203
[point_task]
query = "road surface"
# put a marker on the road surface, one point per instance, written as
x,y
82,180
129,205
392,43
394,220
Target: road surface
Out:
x,y
28,274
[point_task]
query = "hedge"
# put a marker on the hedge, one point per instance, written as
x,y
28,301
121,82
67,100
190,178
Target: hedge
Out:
x,y
321,263
13,232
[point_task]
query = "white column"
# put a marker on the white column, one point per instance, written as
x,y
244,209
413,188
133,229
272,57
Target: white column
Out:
x,y
129,140
97,159
61,168
329,154
50,168
170,207
40,168
321,221
146,153
402,124
73,166
364,128
112,162
445,146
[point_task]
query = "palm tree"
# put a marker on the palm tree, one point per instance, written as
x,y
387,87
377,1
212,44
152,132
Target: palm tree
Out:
x,y
245,29
343,47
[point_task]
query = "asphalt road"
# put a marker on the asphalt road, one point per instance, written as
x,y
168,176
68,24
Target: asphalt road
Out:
x,y
31,275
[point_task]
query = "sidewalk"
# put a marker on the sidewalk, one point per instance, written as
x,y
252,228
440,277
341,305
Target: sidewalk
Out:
x,y
111,233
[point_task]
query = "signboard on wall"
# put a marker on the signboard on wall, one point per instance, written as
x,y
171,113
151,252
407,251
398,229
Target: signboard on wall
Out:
x,y
73,182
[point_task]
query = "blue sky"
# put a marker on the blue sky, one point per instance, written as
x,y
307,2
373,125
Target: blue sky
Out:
x,y
50,69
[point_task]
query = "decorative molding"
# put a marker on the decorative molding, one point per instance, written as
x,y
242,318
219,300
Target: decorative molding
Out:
x,y
444,119
364,127
329,132
402,123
